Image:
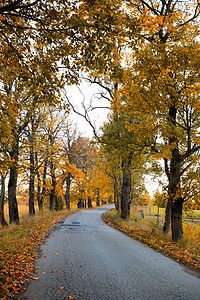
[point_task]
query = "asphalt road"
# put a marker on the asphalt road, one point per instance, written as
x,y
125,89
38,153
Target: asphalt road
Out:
x,y
87,259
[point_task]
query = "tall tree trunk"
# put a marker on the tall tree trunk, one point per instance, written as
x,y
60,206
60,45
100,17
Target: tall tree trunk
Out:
x,y
67,192
43,184
173,173
98,200
166,226
116,195
32,174
126,190
58,203
53,186
12,184
2,199
39,196
176,219
89,202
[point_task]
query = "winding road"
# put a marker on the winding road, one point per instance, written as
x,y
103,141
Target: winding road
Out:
x,y
88,260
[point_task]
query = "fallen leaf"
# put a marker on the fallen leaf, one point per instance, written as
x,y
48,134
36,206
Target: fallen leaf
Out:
x,y
43,273
34,278
180,284
61,288
71,297
80,266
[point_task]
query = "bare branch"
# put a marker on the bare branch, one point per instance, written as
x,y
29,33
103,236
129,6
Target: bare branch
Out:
x,y
84,115
16,5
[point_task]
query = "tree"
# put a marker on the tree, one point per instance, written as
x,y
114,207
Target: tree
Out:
x,y
122,143
162,89
99,184
2,199
160,199
110,163
70,171
17,125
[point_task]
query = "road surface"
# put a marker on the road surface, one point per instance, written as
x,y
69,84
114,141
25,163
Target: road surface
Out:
x,y
86,259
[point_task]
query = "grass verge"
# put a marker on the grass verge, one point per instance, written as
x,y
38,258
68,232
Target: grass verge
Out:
x,y
186,251
18,244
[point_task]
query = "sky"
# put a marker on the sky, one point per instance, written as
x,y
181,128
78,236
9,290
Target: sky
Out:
x,y
89,95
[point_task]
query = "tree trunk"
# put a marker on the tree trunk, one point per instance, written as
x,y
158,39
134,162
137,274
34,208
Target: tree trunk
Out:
x,y
32,176
175,201
43,184
67,193
126,190
58,203
38,182
39,197
176,220
12,184
98,200
116,195
89,202
53,187
2,199
166,226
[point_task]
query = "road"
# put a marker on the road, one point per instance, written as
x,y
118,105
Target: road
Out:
x,y
87,259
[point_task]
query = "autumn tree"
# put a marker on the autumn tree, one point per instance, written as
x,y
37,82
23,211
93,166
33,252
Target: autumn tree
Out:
x,y
162,89
2,198
160,199
53,128
17,122
99,183
123,144
84,161
110,163
71,166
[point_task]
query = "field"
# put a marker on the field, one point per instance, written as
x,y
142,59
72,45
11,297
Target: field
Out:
x,y
24,209
153,211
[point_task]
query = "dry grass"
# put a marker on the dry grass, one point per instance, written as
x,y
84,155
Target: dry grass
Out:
x,y
18,245
23,210
147,231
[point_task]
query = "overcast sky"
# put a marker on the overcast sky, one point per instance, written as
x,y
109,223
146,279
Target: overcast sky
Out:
x,y
89,95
